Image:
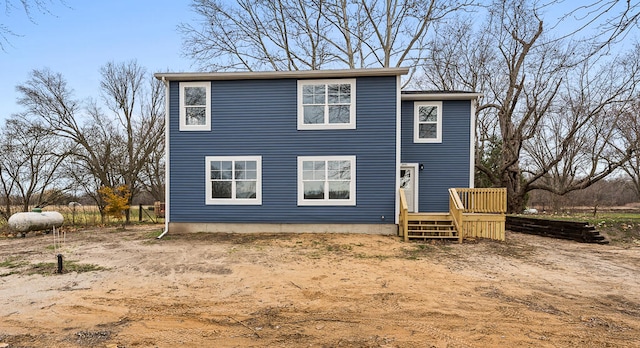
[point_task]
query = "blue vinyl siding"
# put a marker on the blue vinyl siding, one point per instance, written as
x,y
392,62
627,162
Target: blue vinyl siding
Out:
x,y
259,118
446,164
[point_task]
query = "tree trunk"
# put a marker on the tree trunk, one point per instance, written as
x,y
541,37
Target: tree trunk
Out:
x,y
516,193
516,202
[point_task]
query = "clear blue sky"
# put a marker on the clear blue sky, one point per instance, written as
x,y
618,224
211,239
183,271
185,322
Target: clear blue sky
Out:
x,y
77,39
80,36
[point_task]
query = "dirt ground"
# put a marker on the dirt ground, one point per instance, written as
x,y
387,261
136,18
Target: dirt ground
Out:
x,y
315,290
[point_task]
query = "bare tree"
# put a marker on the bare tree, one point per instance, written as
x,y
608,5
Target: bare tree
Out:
x,y
30,159
630,130
586,143
311,34
601,23
152,176
137,101
7,191
610,192
91,170
551,104
26,6
108,150
47,97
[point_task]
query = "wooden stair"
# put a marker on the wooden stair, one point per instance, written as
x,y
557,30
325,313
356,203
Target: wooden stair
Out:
x,y
482,215
431,226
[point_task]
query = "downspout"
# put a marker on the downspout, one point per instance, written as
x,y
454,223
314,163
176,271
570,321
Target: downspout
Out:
x,y
472,145
163,232
396,219
166,159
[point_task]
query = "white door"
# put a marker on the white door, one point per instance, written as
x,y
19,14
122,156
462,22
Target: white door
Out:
x,y
408,182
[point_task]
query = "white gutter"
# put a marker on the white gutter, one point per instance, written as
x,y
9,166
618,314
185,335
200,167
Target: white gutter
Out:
x,y
297,74
441,96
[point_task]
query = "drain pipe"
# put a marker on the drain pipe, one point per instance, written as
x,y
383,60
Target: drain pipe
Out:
x,y
163,233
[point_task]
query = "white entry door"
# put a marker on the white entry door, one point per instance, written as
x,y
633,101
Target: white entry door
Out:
x,y
409,182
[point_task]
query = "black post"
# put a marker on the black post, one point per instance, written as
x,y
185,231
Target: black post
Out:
x,y
139,212
59,263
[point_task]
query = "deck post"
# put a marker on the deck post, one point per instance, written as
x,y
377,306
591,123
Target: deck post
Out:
x,y
404,216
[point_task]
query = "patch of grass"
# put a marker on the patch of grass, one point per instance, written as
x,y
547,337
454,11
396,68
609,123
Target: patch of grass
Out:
x,y
600,218
622,233
316,255
48,268
321,248
153,234
73,266
417,250
151,237
510,249
339,247
373,256
8,273
12,262
317,249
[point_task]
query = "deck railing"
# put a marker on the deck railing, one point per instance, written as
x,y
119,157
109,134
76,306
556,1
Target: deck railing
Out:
x,y
484,212
483,200
456,208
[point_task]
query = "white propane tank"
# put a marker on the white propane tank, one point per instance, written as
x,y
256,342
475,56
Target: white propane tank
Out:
x,y
25,222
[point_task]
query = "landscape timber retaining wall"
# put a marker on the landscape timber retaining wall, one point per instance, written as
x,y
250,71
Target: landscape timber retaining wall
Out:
x,y
572,230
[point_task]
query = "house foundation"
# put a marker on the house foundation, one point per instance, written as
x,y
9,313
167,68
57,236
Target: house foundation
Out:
x,y
192,227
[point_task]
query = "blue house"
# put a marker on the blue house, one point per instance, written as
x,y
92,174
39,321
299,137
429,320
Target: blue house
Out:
x,y
311,151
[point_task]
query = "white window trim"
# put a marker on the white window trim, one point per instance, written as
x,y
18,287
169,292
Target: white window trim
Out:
x,y
327,201
183,116
233,201
416,122
326,125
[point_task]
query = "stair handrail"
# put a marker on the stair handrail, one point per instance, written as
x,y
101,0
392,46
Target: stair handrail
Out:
x,y
404,216
455,210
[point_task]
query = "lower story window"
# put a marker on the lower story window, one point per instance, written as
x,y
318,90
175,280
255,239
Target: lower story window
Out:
x,y
233,179
327,180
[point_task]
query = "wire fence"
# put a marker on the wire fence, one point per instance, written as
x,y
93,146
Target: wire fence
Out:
x,y
89,215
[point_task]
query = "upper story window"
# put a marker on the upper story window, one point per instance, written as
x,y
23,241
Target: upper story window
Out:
x,y
327,180
195,106
233,180
327,104
427,127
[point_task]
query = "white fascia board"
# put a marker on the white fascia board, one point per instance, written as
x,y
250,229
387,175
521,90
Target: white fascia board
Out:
x,y
442,96
265,75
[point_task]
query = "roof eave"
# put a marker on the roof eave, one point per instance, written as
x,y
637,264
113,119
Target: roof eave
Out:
x,y
442,96
262,75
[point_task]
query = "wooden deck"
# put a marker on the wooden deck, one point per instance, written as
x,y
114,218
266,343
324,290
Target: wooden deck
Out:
x,y
473,213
